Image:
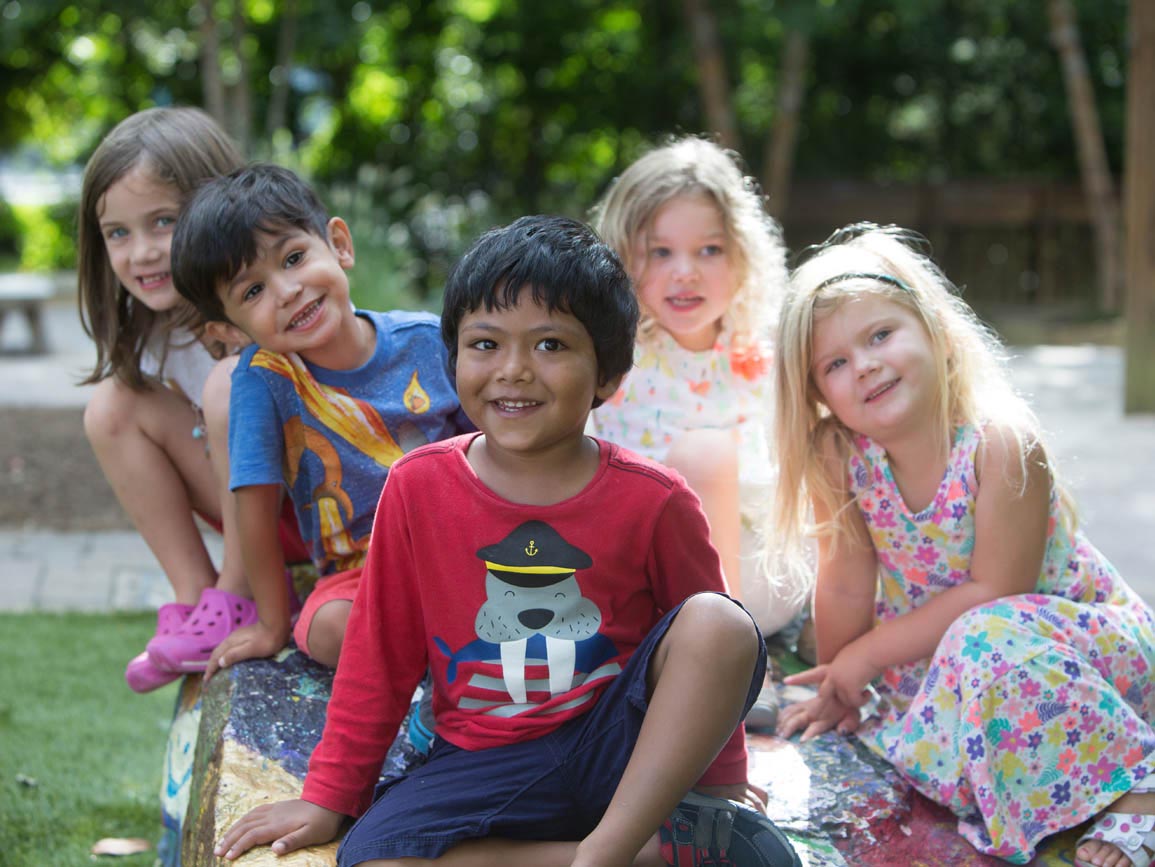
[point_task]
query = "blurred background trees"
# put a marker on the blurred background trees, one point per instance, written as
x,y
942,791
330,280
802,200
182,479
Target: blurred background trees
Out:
x,y
425,121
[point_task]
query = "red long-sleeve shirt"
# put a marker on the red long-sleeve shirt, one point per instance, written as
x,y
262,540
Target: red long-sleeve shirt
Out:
x,y
523,613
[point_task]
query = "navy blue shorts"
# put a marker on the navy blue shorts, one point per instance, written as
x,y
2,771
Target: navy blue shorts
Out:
x,y
555,787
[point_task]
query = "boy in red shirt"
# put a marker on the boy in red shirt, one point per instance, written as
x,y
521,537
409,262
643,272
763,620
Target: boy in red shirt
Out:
x,y
553,584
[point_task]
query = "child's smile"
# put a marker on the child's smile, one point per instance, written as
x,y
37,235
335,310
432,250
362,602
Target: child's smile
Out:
x,y
137,215
295,297
527,377
874,365
684,274
307,316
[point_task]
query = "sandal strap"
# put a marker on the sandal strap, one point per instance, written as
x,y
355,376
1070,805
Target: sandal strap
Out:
x,y
1131,832
1147,784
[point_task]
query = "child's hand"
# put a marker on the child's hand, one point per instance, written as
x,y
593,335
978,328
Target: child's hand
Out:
x,y
815,716
290,825
752,796
249,642
843,680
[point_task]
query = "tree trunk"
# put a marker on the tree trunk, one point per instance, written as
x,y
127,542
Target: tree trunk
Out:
x,y
286,42
778,161
1139,388
1096,172
214,89
712,84
240,92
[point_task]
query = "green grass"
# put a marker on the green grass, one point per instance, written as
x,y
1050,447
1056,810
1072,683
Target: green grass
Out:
x,y
69,722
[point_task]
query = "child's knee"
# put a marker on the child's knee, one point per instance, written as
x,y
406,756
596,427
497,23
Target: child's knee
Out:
x,y
717,626
327,631
109,411
705,458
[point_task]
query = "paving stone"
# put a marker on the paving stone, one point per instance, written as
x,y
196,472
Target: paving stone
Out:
x,y
22,581
67,587
135,588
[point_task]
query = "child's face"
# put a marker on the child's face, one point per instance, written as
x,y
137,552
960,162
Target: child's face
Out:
x,y
683,270
136,215
527,377
874,366
294,297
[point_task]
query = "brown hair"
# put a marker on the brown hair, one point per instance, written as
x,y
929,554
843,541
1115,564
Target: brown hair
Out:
x,y
181,147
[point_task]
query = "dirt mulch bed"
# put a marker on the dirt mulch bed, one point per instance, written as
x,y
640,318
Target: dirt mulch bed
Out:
x,y
49,477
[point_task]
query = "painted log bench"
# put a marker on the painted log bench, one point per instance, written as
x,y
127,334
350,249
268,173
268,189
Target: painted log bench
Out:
x,y
256,724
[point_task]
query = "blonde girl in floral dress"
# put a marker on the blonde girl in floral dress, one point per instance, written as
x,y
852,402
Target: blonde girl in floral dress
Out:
x,y
1012,664
709,268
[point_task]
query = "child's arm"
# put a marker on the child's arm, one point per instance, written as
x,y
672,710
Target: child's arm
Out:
x,y
843,603
1012,510
383,659
258,513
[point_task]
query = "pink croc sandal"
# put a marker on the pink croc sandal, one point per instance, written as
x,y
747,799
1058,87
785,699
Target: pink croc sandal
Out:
x,y
217,615
141,675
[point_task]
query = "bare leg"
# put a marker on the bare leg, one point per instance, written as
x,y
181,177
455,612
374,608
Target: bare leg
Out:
x,y
708,460
709,653
159,473
327,631
707,657
216,409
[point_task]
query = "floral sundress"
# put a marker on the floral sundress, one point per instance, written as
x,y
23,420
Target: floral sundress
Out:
x,y
1036,711
672,390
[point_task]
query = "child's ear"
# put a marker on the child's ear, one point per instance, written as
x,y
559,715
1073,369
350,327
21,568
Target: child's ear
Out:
x,y
608,389
227,333
341,240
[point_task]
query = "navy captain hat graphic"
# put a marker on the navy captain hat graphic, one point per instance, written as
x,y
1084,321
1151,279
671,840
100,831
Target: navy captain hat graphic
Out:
x,y
534,555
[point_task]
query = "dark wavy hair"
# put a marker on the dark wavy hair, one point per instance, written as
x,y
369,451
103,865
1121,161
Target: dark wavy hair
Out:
x,y
216,236
566,266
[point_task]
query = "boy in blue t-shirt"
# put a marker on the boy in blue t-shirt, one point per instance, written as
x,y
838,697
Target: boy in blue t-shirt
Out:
x,y
323,401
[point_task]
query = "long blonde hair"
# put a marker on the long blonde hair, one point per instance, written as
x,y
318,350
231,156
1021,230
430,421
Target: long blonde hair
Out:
x,y
975,387
694,166
181,147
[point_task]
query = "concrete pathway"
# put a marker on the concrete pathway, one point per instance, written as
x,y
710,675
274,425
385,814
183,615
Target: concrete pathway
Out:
x,y
1106,457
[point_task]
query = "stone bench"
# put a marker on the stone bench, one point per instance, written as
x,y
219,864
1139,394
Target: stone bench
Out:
x,y
27,294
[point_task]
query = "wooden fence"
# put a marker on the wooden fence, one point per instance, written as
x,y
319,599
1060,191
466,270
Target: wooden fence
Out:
x,y
1016,243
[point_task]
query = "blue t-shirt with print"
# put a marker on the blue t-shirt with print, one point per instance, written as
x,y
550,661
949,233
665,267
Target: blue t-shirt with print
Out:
x,y
330,436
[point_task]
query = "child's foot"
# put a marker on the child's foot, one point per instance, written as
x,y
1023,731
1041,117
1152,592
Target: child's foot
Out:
x,y
1123,835
714,831
141,675
216,616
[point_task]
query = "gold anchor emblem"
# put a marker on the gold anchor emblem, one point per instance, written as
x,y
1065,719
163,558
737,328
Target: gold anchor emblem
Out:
x,y
531,549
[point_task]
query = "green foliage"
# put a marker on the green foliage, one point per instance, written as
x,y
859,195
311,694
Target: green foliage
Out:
x,y
9,230
89,751
46,236
463,113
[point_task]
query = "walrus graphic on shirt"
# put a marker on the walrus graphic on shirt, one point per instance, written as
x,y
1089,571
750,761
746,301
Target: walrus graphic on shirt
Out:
x,y
537,635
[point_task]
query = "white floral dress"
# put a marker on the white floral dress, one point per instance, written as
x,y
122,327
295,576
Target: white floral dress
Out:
x,y
671,391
